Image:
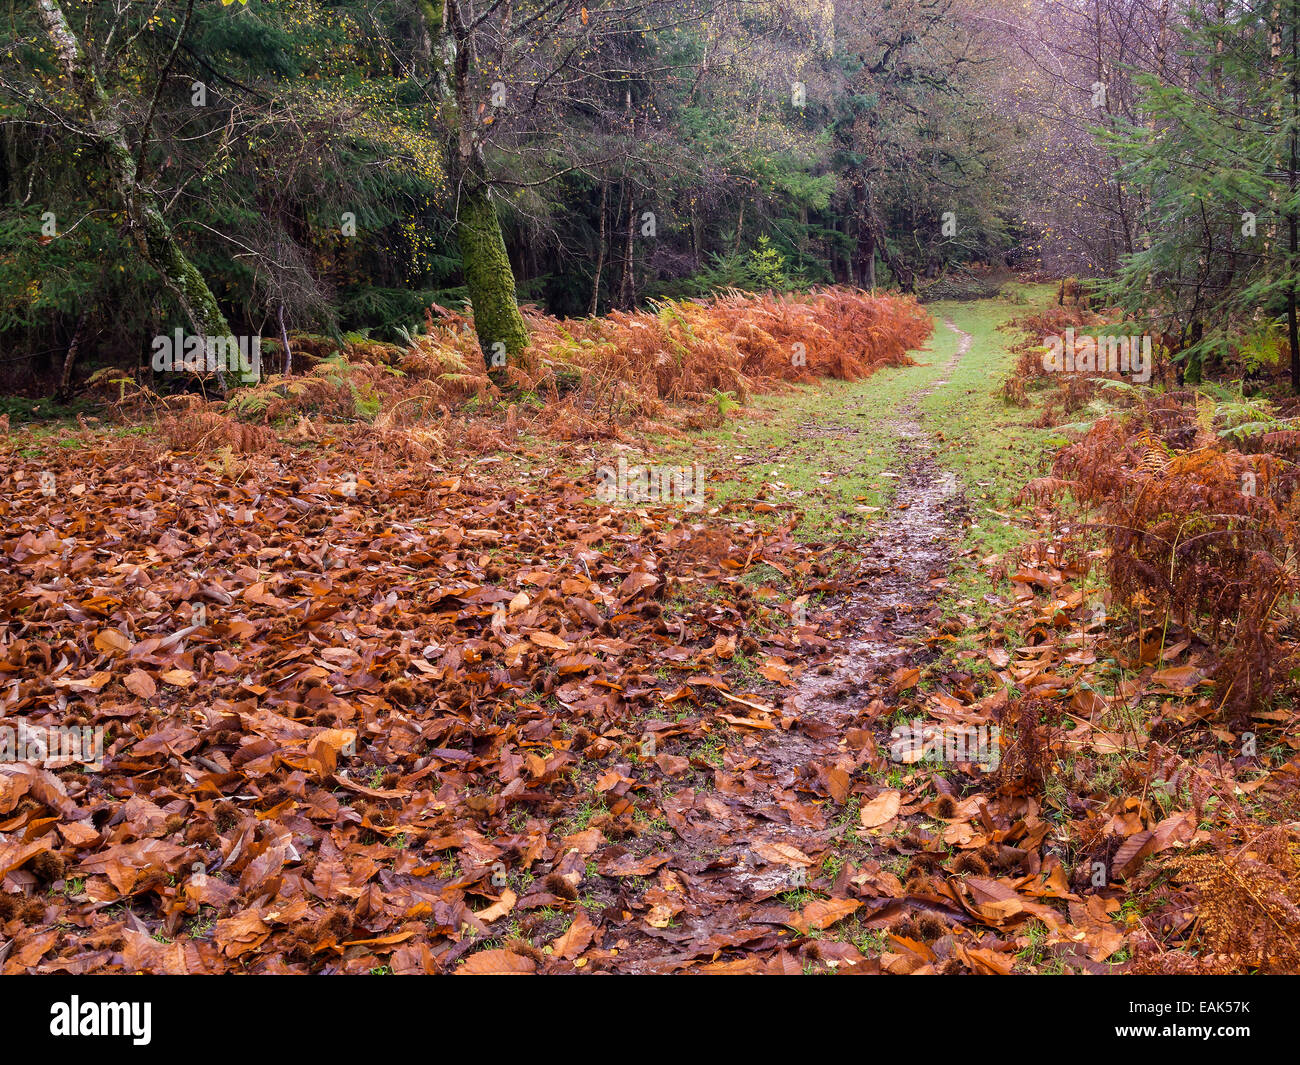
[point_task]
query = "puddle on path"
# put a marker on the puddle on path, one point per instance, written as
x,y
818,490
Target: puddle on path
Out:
x,y
718,832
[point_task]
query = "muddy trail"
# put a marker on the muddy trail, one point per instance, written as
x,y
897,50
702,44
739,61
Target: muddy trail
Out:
x,y
743,846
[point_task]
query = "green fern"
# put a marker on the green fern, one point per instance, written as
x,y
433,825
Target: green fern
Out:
x,y
368,403
726,401
1120,386
1246,430
250,402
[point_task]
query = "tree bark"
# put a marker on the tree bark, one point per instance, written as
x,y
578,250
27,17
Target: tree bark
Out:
x,y
627,290
488,275
152,234
70,359
284,339
600,247
871,234
1293,224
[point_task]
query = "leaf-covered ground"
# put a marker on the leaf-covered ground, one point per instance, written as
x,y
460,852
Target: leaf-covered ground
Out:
x,y
373,716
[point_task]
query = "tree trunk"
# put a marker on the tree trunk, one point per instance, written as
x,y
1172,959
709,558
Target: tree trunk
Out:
x,y
871,233
600,248
862,262
627,289
153,235
1293,224
13,189
284,339
488,276
69,361
9,131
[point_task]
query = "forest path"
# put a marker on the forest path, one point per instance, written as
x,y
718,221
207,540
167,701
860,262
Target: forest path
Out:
x,y
752,849
910,551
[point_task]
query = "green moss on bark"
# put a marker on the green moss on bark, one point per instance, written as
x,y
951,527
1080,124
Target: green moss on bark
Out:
x,y
488,276
156,239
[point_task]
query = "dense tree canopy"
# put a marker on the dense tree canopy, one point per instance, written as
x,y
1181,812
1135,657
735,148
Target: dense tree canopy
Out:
x,y
329,166
338,165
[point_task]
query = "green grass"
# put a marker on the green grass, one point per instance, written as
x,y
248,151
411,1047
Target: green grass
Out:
x,y
25,410
830,452
990,446
828,449
822,448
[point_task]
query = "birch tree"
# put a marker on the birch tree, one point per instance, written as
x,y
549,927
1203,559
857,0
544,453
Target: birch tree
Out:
x,y
104,126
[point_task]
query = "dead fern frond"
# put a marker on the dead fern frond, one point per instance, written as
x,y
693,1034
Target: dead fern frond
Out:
x,y
1248,906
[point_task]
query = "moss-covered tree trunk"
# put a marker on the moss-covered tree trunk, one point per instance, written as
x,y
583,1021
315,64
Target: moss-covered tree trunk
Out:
x,y
489,278
153,236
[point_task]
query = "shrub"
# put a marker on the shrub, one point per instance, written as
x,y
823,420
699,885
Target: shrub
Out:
x,y
1204,532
